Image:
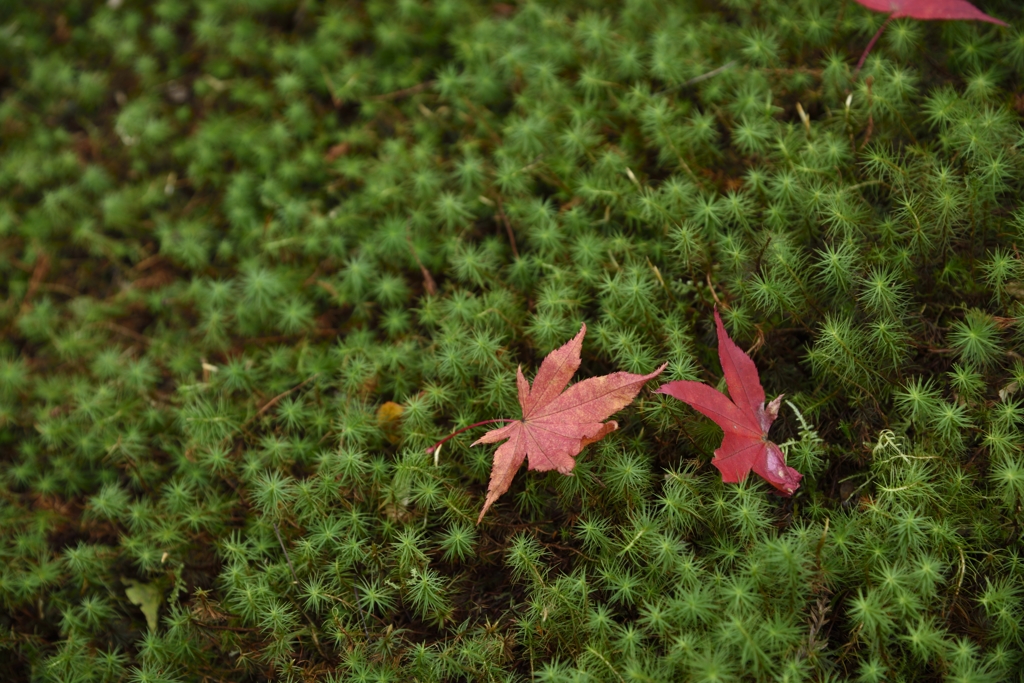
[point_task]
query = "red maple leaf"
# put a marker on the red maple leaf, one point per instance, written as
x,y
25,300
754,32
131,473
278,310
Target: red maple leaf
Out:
x,y
744,419
930,9
557,424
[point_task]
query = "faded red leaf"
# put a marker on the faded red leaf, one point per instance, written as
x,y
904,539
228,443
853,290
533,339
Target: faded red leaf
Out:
x,y
557,422
744,419
930,10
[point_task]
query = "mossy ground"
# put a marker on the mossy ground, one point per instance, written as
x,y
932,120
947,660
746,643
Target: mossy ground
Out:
x,y
256,256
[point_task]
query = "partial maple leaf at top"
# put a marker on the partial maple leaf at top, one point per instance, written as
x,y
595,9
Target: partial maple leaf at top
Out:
x,y
744,419
948,10
557,422
926,10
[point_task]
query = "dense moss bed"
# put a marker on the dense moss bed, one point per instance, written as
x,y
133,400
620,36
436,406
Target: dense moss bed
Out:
x,y
255,257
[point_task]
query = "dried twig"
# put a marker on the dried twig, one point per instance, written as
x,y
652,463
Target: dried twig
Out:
x,y
714,294
217,627
508,228
335,100
362,618
698,79
404,92
272,402
428,280
38,275
871,118
277,532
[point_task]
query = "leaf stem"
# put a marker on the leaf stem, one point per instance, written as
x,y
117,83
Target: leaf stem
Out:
x,y
871,44
459,431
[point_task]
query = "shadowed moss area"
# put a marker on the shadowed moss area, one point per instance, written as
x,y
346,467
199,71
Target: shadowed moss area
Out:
x,y
256,257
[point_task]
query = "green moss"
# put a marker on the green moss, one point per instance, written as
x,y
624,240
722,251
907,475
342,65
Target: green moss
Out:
x,y
231,233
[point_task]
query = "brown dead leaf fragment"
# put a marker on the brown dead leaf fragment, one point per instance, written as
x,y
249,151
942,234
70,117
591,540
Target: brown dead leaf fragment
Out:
x,y
389,416
336,151
558,422
389,413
